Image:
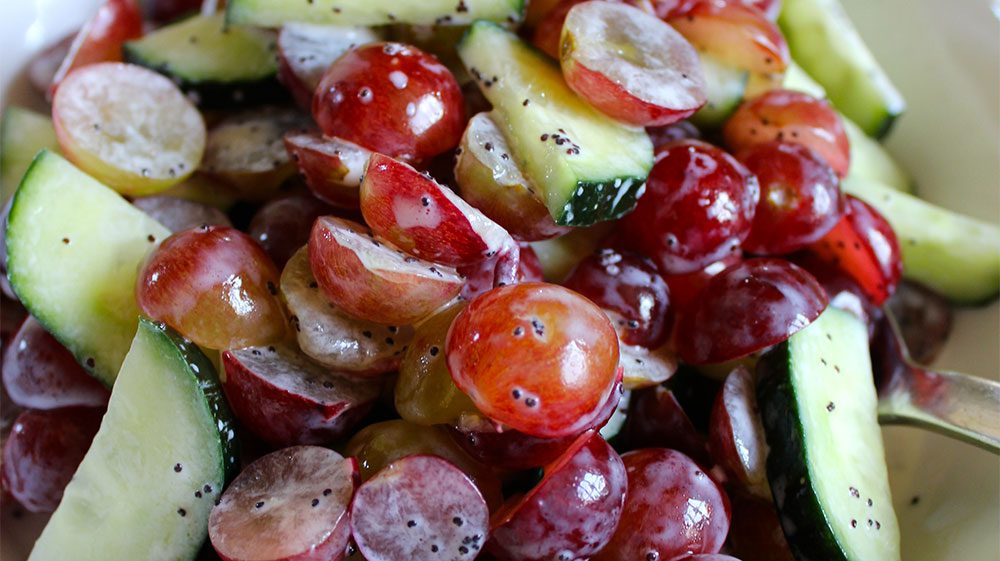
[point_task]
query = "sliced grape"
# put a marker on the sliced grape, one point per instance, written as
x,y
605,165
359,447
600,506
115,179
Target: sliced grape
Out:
x,y
733,33
736,435
332,167
180,214
286,399
306,50
419,507
131,128
282,225
290,504
657,420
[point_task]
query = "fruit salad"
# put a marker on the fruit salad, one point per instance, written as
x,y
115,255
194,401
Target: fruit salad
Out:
x,y
448,280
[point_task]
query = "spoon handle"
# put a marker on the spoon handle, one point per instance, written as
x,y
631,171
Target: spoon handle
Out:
x,y
956,405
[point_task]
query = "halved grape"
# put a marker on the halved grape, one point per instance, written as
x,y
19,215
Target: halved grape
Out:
x,y
734,33
332,167
482,277
736,435
290,505
286,399
331,337
306,50
180,214
657,420
419,507
101,38
282,225
131,128
755,533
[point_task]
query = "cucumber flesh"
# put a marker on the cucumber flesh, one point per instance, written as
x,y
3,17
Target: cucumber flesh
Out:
x,y
74,248
826,463
725,88
163,453
23,133
955,255
588,167
275,13
825,42
220,64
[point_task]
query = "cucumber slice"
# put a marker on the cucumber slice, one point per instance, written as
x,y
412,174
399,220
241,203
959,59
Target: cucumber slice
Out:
x,y
275,13
826,463
955,255
588,167
824,41
559,255
220,64
23,133
725,86
73,250
165,450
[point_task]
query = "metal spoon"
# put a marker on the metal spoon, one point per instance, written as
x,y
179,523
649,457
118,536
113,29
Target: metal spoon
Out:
x,y
956,405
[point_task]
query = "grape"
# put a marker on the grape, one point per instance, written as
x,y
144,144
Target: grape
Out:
x,y
698,208
755,533
482,277
332,167
180,214
282,225
681,130
791,116
629,285
709,557
749,306
290,504
572,513
560,356
419,507
736,436
672,508
101,38
733,33
306,50
43,451
215,286
393,99
844,292
40,373
925,320
656,420
800,198
684,288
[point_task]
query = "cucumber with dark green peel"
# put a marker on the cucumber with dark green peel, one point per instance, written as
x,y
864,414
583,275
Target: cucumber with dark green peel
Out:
x,y
725,87
74,248
826,463
161,458
23,133
955,255
824,41
275,13
588,167
220,66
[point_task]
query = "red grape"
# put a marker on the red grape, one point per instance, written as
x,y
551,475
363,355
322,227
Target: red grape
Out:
x,y
180,214
709,557
481,278
40,373
656,420
864,246
102,37
630,285
791,116
698,207
736,436
43,451
306,50
681,130
733,33
215,286
549,29
925,320
332,167
166,11
800,198
560,356
572,513
844,292
282,226
391,98
672,508
755,533
747,307
684,288
416,507
290,505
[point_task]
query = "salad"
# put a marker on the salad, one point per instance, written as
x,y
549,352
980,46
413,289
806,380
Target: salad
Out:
x,y
462,279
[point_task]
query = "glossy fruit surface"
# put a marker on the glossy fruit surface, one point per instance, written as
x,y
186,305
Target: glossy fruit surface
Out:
x,y
288,505
369,279
332,167
800,198
286,399
282,226
791,116
180,214
215,286
672,508
630,65
391,98
631,286
537,357
306,50
698,207
864,246
733,33
755,533
749,306
736,436
925,320
681,130
684,288
482,277
40,373
572,512
101,38
417,507
656,419
43,451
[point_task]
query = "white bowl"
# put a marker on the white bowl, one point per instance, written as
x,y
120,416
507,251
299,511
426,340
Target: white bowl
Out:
x,y
944,57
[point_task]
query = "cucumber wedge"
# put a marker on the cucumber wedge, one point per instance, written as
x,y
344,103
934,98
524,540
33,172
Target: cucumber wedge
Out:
x,y
588,167
74,248
955,255
275,13
220,64
826,463
824,41
725,86
23,133
164,452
